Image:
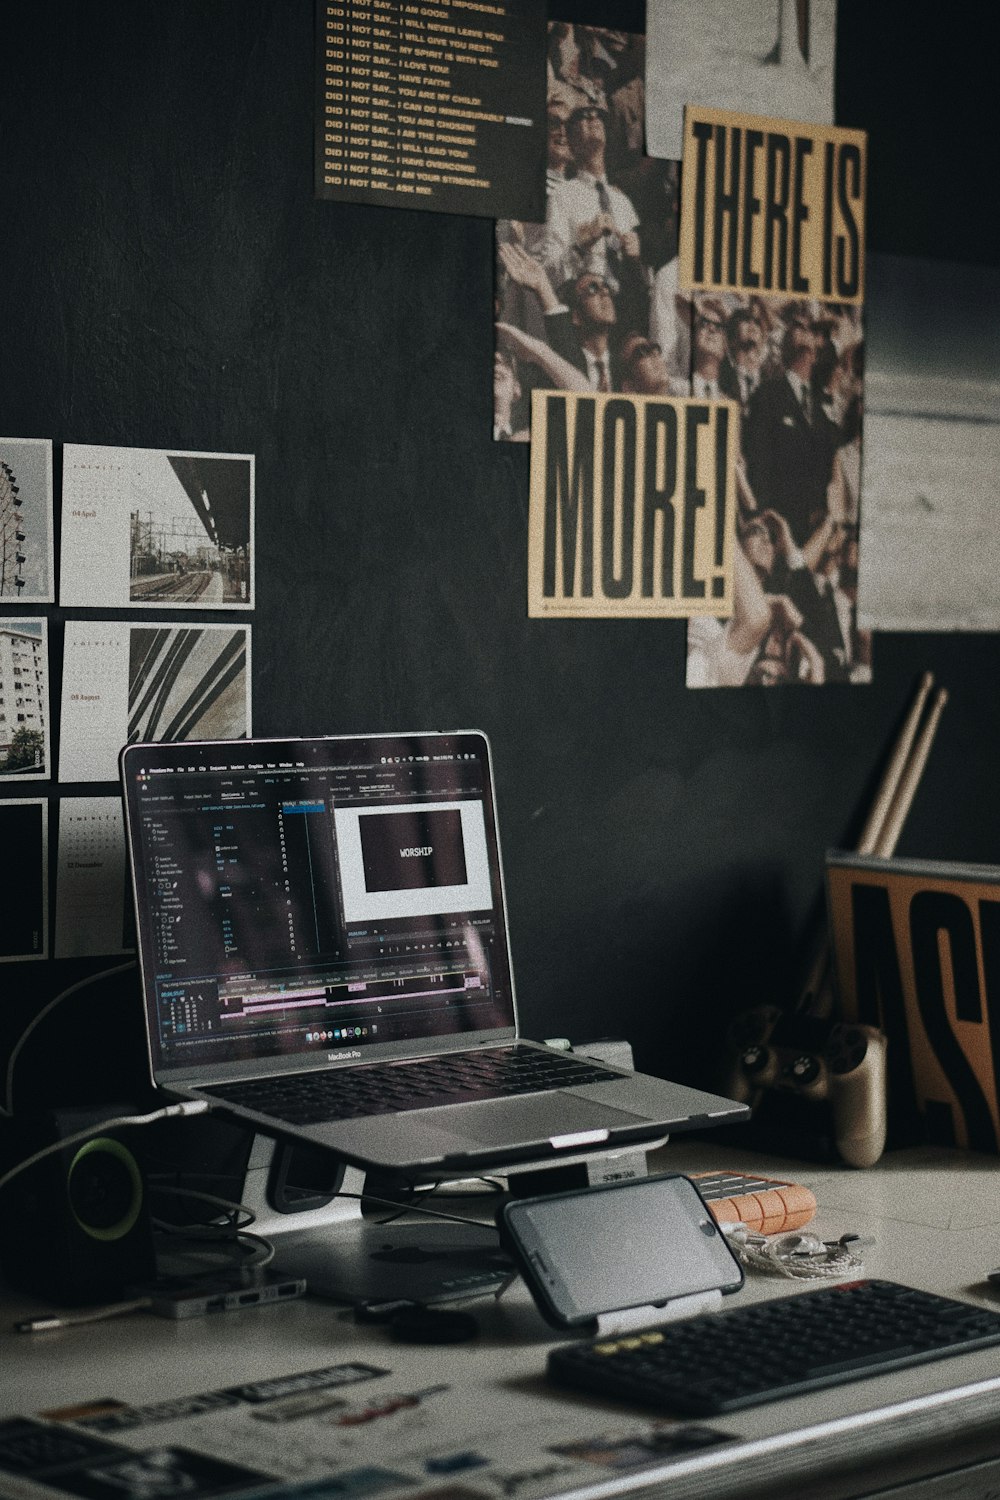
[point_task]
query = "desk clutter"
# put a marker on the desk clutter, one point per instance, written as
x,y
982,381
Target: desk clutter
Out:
x,y
349,1428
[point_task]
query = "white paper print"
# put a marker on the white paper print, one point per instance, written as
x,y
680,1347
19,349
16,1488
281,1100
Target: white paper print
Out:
x,y
92,911
124,682
149,528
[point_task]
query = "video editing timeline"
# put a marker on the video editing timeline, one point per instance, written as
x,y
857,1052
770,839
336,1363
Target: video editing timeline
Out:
x,y
296,906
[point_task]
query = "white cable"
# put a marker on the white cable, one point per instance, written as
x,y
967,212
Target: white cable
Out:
x,y
799,1257
8,1105
168,1112
45,1321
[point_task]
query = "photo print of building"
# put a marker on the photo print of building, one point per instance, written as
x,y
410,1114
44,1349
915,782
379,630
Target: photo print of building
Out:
x,y
26,520
24,697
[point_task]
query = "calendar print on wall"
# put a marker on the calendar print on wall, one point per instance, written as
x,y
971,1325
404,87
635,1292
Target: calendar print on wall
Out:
x,y
93,901
123,683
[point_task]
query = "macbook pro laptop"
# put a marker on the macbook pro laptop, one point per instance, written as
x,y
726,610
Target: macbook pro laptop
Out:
x,y
323,950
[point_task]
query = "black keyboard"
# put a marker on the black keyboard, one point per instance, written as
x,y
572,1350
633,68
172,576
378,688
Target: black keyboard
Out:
x,y
384,1088
785,1347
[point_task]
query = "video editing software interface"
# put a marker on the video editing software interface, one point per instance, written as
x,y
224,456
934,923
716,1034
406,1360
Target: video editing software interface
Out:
x,y
313,896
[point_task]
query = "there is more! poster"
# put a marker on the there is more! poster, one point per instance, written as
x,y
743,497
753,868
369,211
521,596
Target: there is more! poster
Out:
x,y
771,253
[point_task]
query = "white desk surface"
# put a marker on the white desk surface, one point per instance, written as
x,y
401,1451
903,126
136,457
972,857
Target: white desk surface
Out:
x,y
935,1218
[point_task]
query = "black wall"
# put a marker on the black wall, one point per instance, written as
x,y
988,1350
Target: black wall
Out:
x,y
167,280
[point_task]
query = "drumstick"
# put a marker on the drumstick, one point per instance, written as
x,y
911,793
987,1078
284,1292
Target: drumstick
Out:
x,y
910,779
884,823
869,841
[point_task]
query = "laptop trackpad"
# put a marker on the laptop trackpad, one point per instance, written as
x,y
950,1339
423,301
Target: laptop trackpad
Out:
x,y
539,1117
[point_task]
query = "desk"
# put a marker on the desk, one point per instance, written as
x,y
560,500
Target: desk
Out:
x,y
935,1216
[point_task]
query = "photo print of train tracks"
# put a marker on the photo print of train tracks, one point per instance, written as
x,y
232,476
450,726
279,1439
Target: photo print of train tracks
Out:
x,y
150,529
124,682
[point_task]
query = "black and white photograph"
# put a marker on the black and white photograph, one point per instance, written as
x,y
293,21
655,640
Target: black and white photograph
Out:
x,y
796,369
159,1474
26,571
24,699
125,682
761,57
588,300
152,529
24,931
930,556
188,683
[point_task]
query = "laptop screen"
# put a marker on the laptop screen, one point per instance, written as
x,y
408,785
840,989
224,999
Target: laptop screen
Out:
x,y
309,897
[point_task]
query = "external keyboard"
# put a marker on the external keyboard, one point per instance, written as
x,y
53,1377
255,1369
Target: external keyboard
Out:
x,y
385,1088
723,1361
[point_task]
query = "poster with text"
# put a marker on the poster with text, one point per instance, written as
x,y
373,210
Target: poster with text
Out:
x,y
587,299
930,558
24,699
915,943
760,57
124,682
93,900
772,255
432,106
24,836
147,528
27,575
631,506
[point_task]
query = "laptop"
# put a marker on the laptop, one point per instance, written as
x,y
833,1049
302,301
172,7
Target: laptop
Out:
x,y
323,950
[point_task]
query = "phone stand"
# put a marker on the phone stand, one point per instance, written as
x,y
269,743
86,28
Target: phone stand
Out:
x,y
613,1324
627,1319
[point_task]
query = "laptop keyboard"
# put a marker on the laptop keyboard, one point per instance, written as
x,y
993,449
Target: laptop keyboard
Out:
x,y
728,1360
387,1088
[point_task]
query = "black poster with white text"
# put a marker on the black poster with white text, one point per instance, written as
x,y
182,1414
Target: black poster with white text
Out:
x,y
437,105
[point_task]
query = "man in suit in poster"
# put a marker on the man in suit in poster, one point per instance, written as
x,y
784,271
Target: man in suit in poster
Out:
x,y
789,439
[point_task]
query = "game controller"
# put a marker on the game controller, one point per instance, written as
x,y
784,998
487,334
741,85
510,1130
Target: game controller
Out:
x,y
838,1064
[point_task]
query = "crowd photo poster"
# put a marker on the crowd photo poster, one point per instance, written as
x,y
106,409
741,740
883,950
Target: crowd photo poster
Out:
x,y
631,506
772,254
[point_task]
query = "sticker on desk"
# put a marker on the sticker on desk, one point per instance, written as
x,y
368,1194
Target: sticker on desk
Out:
x,y
329,1377
447,1442
41,1451
158,1474
450,1492
622,1451
352,1484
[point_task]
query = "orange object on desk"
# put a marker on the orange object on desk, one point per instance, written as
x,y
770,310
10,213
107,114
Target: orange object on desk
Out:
x,y
764,1204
